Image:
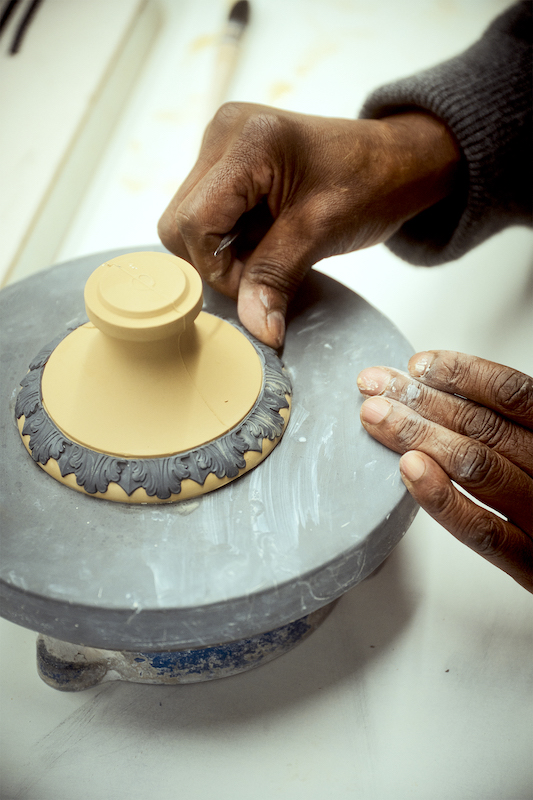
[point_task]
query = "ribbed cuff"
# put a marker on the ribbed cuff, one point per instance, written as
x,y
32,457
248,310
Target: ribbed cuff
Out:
x,y
484,98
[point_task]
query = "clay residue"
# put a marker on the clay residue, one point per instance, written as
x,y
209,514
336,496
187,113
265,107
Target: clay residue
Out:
x,y
314,55
168,115
279,89
202,42
132,185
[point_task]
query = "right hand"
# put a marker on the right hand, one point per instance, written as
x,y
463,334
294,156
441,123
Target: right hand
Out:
x,y
299,188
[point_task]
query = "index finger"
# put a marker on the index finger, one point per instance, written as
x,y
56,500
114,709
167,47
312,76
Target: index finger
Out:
x,y
505,390
199,215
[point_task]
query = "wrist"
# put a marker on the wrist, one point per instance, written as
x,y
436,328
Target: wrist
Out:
x,y
426,159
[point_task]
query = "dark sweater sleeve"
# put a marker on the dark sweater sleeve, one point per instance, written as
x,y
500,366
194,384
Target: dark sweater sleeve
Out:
x,y
484,96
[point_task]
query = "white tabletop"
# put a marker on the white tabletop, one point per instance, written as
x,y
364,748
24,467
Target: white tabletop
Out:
x,y
419,683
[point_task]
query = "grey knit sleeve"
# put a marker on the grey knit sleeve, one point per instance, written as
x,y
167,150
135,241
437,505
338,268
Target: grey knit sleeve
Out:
x,y
484,96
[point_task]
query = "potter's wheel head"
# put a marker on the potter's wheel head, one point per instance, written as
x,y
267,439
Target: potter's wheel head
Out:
x,y
151,400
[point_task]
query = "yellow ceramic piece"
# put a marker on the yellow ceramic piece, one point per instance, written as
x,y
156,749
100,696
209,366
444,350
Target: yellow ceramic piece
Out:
x,y
151,375
142,297
149,381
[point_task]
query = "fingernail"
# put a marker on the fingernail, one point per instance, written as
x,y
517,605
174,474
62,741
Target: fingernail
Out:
x,y
375,410
420,363
413,466
276,326
373,380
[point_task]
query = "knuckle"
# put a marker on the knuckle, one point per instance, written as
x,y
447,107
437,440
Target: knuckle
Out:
x,y
449,368
488,536
515,393
424,400
170,236
186,223
284,279
265,125
475,462
512,389
410,430
261,147
228,113
227,120
248,133
442,499
484,425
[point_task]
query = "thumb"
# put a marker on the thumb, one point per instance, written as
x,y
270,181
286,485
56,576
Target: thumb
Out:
x,y
262,311
270,279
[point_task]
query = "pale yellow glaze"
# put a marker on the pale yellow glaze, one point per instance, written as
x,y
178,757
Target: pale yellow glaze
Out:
x,y
149,399
150,376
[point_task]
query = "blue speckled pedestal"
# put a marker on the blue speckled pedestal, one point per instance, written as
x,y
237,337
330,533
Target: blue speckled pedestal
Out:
x,y
71,668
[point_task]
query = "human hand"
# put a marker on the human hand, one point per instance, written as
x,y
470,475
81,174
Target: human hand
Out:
x,y
297,189
461,418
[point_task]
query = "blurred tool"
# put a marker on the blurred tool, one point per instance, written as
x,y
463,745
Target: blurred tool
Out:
x,y
228,51
8,12
226,63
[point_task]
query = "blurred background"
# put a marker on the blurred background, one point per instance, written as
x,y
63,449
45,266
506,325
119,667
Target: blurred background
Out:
x,y
417,685
107,106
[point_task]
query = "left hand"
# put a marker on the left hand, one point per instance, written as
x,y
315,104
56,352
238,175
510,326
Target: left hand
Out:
x,y
463,419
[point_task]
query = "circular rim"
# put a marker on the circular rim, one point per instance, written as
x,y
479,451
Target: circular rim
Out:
x,y
318,515
159,477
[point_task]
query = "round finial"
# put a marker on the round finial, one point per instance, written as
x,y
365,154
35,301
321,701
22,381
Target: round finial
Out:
x,y
143,296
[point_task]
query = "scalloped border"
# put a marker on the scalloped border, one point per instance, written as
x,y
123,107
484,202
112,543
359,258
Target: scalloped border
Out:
x,y
159,477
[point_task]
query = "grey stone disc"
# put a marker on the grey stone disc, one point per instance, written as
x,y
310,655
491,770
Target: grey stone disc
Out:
x,y
312,520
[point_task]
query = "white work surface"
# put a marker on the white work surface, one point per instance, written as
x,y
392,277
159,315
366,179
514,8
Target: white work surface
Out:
x,y
419,683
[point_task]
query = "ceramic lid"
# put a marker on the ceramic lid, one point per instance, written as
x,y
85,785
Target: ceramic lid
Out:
x,y
151,376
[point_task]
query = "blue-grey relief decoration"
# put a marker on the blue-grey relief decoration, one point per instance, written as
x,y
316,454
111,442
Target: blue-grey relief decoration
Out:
x,y
160,477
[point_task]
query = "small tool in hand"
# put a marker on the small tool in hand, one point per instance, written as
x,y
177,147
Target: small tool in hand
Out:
x,y
226,240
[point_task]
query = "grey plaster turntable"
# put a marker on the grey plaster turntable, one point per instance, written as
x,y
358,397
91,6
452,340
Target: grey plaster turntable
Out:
x,y
214,585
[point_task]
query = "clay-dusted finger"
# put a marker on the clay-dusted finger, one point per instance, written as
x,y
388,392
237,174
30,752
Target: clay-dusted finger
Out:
x,y
168,228
272,275
501,388
210,202
499,541
203,218
483,472
456,413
